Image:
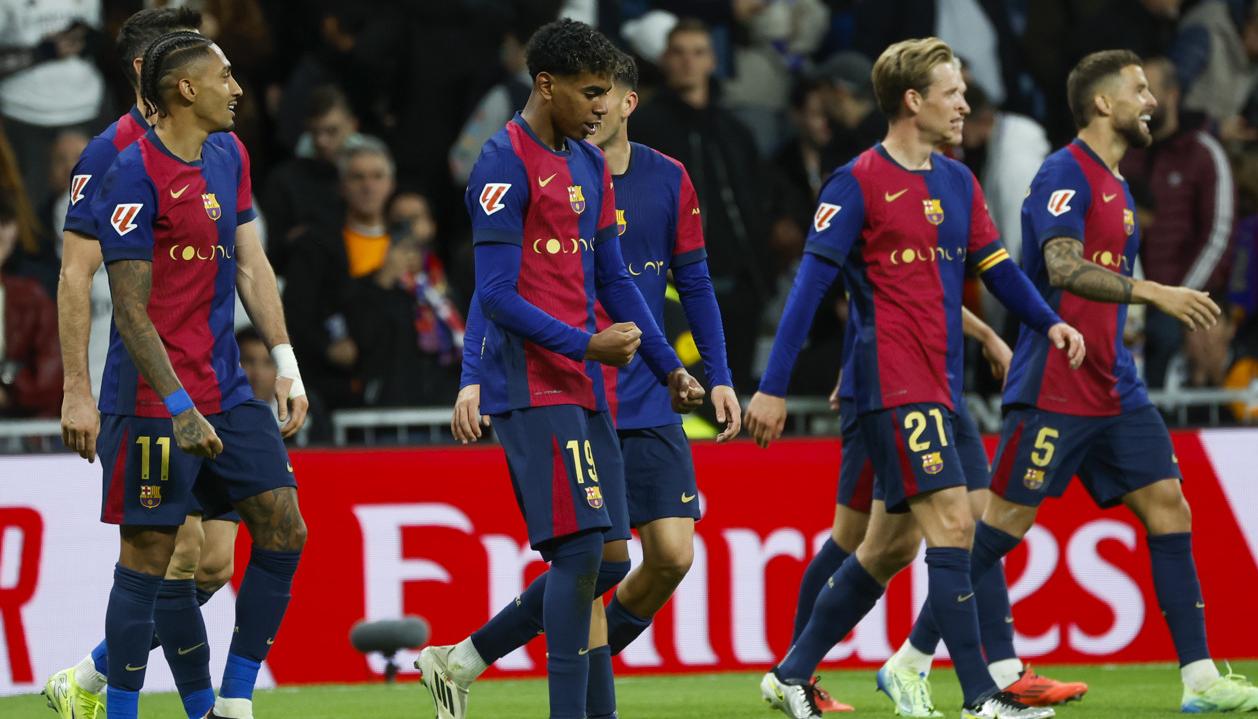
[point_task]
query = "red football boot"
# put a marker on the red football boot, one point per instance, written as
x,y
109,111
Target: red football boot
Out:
x,y
1037,691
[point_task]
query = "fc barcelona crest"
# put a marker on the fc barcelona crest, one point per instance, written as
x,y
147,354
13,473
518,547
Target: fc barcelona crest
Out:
x,y
212,208
150,495
594,497
1129,221
934,211
575,199
620,222
1033,479
932,462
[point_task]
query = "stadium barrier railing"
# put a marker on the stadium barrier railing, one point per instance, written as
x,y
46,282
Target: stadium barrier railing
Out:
x,y
809,416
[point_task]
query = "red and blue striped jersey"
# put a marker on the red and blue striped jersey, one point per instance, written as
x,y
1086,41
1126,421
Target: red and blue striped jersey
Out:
x,y
904,240
556,206
1075,195
88,172
182,217
657,217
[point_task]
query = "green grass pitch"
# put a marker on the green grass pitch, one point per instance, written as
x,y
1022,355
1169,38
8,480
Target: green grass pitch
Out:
x,y
1117,692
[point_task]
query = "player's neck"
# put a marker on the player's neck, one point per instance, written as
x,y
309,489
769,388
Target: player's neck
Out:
x,y
905,144
617,150
1107,144
182,139
539,122
139,106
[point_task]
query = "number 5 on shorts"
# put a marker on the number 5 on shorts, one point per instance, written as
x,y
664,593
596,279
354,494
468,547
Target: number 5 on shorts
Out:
x,y
1044,448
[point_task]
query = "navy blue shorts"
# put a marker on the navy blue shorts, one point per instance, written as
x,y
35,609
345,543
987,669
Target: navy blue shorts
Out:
x,y
914,451
1040,451
857,487
148,480
565,468
659,474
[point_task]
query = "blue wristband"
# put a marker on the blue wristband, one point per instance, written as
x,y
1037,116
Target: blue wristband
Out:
x,y
178,402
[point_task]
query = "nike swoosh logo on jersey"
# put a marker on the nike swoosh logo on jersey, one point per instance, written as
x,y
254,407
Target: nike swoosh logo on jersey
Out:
x,y
135,669
546,182
687,499
892,197
189,650
176,195
1107,197
963,597
270,641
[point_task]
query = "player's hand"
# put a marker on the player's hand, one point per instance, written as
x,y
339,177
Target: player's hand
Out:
x,y
1065,337
195,435
80,424
834,394
728,413
685,391
467,420
998,356
765,418
292,410
1192,307
615,345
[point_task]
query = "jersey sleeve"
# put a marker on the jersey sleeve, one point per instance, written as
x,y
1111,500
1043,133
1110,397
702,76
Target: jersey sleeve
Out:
x,y
85,178
840,215
688,243
497,199
244,183
1057,205
124,209
606,229
984,250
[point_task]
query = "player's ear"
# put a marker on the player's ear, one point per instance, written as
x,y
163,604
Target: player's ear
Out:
x,y
544,84
629,104
187,90
137,64
1101,103
913,100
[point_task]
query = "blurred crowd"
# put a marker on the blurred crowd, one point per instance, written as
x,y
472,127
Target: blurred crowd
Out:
x,y
363,120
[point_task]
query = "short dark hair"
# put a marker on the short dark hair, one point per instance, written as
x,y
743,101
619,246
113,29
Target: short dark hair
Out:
x,y
1084,79
567,47
324,99
248,334
977,98
685,25
141,29
626,72
803,88
168,53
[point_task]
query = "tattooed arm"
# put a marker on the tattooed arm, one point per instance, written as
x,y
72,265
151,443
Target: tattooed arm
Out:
x,y
130,283
1068,270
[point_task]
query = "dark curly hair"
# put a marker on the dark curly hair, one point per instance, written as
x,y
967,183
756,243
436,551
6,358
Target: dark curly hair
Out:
x,y
566,47
168,53
141,29
626,73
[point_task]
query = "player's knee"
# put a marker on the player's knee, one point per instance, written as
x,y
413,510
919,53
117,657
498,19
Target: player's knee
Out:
x,y
1169,513
670,567
213,572
184,561
901,553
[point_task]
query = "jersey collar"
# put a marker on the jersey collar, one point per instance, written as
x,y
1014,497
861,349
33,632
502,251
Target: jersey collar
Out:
x,y
567,141
156,141
138,116
934,160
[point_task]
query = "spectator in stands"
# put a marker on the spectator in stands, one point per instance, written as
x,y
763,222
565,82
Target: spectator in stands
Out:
x,y
1187,243
49,81
855,121
684,120
241,30
410,335
52,210
503,100
1215,56
777,37
304,193
30,357
319,276
259,367
799,170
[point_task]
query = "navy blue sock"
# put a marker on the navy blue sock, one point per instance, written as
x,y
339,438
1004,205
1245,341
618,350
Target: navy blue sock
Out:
x,y
203,596
566,616
995,616
128,633
1179,594
178,622
609,575
843,601
623,626
822,567
260,607
600,701
514,625
990,546
100,658
954,609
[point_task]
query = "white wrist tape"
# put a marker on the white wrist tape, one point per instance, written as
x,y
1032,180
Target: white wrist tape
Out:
x,y
286,367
